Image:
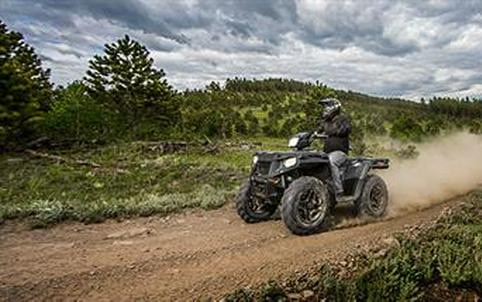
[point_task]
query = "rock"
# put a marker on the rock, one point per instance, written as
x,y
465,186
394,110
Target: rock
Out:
x,y
14,160
165,219
307,294
245,147
129,233
391,242
116,235
65,245
138,232
175,183
343,263
381,253
123,242
294,297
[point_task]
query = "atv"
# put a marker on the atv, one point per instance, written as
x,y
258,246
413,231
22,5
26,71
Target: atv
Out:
x,y
300,184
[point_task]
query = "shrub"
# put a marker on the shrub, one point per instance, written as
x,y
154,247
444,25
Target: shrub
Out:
x,y
75,117
406,129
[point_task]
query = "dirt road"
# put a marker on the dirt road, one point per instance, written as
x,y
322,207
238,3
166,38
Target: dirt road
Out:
x,y
187,256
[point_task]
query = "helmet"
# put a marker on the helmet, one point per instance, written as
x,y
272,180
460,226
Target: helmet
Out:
x,y
331,107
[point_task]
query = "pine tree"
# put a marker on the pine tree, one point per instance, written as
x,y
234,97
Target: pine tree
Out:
x,y
125,80
25,90
313,111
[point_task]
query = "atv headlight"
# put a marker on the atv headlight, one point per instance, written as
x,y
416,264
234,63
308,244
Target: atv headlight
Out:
x,y
290,162
255,160
293,142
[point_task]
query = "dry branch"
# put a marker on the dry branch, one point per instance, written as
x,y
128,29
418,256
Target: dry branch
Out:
x,y
165,147
68,161
62,159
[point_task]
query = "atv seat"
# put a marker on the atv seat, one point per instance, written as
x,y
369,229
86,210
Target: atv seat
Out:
x,y
350,162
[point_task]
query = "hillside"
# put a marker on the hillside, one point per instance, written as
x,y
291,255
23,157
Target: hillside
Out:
x,y
278,107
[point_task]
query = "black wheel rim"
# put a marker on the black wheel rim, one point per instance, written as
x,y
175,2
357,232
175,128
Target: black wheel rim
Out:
x,y
256,206
377,200
311,208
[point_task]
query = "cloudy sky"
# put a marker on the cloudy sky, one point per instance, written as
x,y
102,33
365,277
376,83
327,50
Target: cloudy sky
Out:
x,y
406,48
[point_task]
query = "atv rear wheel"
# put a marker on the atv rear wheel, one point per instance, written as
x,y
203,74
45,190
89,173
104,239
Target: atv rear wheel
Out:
x,y
373,201
305,206
250,208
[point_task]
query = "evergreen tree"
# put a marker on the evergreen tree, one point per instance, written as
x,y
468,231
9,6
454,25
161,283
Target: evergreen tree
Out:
x,y
25,90
312,109
125,80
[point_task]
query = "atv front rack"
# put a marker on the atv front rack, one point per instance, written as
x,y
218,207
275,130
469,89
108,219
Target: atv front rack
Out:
x,y
380,163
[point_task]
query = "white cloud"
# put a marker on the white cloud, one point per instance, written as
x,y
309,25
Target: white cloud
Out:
x,y
470,39
388,48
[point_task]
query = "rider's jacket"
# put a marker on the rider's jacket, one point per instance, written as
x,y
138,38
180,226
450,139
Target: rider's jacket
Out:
x,y
338,129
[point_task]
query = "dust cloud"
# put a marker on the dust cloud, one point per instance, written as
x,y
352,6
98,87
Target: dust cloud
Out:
x,y
445,167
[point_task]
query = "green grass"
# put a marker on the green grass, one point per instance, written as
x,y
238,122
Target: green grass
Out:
x,y
130,182
444,263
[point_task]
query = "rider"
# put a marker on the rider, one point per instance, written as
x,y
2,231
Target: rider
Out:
x,y
337,128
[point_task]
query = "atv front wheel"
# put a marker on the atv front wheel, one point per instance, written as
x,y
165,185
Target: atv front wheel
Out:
x,y
250,208
305,206
373,201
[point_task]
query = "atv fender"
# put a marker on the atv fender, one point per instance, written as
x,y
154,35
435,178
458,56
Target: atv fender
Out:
x,y
367,165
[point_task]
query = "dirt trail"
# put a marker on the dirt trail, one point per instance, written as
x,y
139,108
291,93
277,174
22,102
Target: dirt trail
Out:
x,y
190,255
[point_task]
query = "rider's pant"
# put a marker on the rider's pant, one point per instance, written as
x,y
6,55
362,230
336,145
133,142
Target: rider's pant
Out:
x,y
337,158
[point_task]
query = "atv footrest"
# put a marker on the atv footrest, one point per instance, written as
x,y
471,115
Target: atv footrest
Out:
x,y
259,179
346,198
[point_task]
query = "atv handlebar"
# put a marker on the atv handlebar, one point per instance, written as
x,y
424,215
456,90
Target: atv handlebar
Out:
x,y
315,134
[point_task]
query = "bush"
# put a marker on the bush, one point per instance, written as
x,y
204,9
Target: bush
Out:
x,y
475,127
75,117
407,152
406,129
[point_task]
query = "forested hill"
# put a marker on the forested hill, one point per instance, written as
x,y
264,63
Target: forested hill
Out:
x,y
280,107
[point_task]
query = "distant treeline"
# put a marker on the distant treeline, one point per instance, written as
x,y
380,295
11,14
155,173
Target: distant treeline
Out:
x,y
267,85
470,108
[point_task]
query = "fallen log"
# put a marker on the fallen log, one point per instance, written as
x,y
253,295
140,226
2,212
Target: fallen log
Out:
x,y
77,162
62,159
165,147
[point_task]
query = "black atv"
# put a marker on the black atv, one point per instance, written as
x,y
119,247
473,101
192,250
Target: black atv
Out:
x,y
300,182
